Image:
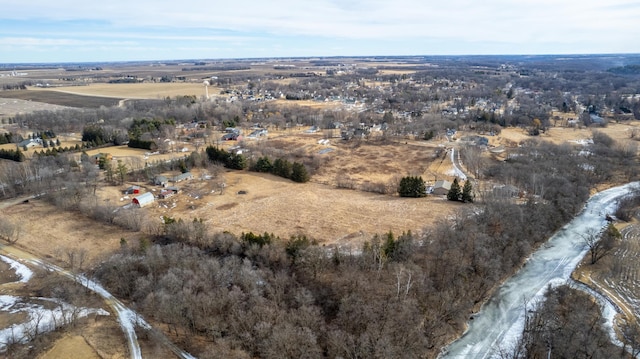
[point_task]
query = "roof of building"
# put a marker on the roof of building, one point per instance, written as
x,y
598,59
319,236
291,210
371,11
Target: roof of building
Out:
x,y
160,179
29,142
442,184
144,199
182,176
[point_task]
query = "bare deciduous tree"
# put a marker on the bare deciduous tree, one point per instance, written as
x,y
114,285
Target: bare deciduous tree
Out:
x,y
600,243
9,230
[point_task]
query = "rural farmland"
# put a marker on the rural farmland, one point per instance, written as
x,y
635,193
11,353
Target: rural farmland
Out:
x,y
253,208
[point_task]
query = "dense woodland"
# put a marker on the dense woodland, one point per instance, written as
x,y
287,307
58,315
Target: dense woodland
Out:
x,y
402,295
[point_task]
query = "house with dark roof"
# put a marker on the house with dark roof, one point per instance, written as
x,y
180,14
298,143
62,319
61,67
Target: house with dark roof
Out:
x,y
182,177
132,190
160,181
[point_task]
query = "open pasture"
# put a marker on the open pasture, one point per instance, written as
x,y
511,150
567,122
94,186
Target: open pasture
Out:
x,y
145,90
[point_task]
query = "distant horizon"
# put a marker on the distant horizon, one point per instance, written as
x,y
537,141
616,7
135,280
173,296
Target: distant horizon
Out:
x,y
294,58
74,31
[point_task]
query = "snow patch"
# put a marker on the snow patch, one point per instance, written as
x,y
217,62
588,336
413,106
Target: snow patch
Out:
x,y
21,270
40,319
583,141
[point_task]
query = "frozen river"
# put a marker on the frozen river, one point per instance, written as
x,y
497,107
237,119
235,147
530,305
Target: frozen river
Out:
x,y
499,323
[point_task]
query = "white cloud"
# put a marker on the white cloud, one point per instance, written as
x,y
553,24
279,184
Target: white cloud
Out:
x,y
522,26
32,41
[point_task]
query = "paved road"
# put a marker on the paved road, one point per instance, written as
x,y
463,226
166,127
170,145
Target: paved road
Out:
x,y
457,165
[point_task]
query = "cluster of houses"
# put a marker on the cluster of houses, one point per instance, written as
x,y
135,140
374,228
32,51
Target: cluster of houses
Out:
x,y
144,199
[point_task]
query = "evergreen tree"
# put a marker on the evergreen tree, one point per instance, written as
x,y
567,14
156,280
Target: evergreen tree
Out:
x,y
121,170
237,162
282,168
299,173
108,170
454,191
467,195
263,165
412,186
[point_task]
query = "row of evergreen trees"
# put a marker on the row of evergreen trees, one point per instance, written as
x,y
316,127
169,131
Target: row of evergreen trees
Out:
x,y
14,155
8,137
235,161
464,195
55,150
414,186
294,171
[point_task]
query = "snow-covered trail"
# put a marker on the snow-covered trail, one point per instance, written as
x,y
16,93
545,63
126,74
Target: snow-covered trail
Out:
x,y
500,321
127,318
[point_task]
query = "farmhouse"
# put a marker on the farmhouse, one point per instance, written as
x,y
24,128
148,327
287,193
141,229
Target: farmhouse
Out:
x,y
441,187
143,199
160,181
168,192
182,177
30,143
165,193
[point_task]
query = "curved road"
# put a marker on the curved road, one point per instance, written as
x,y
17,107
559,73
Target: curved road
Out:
x,y
127,318
500,321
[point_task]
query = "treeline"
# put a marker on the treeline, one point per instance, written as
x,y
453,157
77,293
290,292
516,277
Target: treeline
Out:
x,y
13,155
53,151
141,131
98,135
235,161
19,86
294,171
9,137
217,68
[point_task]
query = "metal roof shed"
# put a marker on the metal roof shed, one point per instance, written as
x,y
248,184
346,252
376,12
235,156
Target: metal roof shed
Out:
x,y
143,199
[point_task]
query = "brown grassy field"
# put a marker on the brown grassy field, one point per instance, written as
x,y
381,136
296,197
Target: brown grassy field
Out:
x,y
260,203
71,347
559,135
10,107
138,90
48,232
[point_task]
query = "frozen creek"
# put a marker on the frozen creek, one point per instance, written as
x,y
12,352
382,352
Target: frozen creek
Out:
x,y
499,323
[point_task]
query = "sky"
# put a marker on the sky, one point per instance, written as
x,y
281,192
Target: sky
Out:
x,y
43,31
